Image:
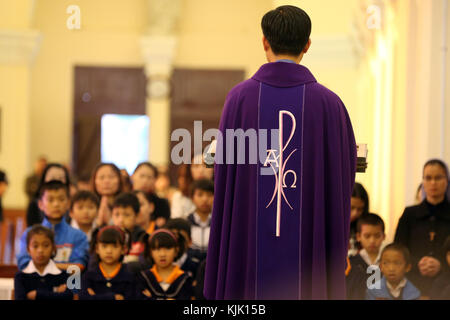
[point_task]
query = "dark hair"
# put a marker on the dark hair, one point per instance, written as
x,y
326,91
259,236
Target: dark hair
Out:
x,y
84,195
147,196
3,177
127,199
179,224
204,185
399,248
439,163
40,229
44,173
163,238
148,164
370,219
116,171
287,29
447,245
108,235
361,193
53,185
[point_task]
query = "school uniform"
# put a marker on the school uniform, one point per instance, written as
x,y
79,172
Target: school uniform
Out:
x,y
105,286
404,291
178,286
45,284
356,279
188,264
423,229
137,244
199,234
71,245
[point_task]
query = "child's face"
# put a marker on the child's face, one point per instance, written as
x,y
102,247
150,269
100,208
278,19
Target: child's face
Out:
x,y
54,203
144,179
124,217
106,181
109,253
40,249
84,212
357,208
203,200
370,238
393,266
164,257
146,209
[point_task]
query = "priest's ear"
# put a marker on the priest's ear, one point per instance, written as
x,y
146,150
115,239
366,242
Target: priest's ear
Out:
x,y
306,48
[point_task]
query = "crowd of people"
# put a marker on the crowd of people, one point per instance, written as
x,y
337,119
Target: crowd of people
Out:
x,y
129,242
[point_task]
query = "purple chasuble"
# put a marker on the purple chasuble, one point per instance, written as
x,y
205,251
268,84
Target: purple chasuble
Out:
x,y
280,225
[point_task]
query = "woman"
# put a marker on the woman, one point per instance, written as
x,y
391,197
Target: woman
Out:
x,y
359,207
423,228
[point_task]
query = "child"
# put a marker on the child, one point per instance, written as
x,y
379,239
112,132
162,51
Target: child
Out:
x,y
83,211
188,261
440,290
370,234
202,197
41,279
110,280
125,210
395,263
147,207
71,244
165,280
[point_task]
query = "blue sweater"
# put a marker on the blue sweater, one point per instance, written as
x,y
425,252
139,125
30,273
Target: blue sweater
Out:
x,y
409,292
71,245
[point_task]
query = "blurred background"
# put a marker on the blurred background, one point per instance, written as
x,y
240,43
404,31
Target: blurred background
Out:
x,y
75,73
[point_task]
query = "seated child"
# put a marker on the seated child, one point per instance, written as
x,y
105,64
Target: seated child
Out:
x,y
440,290
83,211
71,244
165,280
187,262
147,207
200,219
110,280
125,210
394,264
370,234
41,279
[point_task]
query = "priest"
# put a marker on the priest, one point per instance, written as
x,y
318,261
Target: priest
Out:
x,y
280,225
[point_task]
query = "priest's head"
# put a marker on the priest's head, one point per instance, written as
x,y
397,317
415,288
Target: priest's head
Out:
x,y
286,32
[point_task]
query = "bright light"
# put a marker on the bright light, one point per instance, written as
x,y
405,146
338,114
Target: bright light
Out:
x,y
124,140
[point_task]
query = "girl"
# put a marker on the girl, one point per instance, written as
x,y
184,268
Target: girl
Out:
x,y
110,279
165,280
144,179
359,207
181,203
41,279
146,209
106,183
53,171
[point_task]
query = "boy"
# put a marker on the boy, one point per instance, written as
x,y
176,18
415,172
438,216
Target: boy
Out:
x,y
370,234
187,262
125,210
83,211
395,263
71,244
200,219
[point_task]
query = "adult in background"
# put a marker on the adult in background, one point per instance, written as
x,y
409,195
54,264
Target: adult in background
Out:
x,y
32,181
3,187
423,228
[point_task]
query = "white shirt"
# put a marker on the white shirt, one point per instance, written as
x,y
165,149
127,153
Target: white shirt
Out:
x,y
365,256
75,225
181,206
50,268
200,232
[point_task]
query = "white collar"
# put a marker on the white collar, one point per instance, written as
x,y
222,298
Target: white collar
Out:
x,y
396,292
50,268
75,225
182,260
199,221
365,256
